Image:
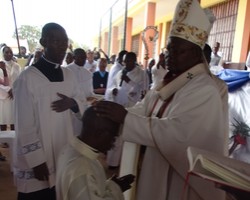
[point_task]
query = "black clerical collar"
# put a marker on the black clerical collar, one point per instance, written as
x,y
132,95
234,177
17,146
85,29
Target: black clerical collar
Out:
x,y
51,70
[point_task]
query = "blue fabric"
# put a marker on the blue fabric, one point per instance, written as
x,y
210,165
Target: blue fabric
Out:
x,y
234,78
102,74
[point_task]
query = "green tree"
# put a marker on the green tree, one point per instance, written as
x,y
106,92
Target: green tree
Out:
x,y
31,33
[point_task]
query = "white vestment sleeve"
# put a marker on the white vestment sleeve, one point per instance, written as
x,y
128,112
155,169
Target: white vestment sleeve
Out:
x,y
80,99
113,83
27,125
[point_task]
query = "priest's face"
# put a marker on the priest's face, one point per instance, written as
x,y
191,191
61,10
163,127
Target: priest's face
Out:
x,y
55,45
181,55
80,58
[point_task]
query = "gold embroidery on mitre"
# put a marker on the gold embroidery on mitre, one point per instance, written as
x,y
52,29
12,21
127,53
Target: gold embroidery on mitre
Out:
x,y
185,31
190,33
183,11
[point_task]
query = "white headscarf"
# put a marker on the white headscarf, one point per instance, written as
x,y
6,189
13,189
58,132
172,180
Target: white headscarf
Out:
x,y
1,52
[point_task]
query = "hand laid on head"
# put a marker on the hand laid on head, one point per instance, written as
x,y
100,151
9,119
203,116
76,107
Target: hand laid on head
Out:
x,y
111,110
124,182
63,104
41,172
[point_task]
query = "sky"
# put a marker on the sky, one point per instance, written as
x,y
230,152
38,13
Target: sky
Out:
x,y
80,18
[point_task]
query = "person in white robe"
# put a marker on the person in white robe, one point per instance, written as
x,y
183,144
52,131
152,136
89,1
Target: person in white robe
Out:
x,y
158,71
128,83
6,104
4,82
90,63
186,109
4,88
80,174
112,74
216,59
45,94
84,79
127,89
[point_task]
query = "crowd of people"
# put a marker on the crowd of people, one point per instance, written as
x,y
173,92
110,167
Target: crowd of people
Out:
x,y
68,106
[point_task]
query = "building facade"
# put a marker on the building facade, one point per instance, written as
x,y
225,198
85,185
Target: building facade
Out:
x,y
142,26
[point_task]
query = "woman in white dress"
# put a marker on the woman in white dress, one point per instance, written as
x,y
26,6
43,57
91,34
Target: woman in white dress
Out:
x,y
6,104
4,82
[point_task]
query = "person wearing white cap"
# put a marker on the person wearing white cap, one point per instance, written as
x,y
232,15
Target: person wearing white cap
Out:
x,y
185,109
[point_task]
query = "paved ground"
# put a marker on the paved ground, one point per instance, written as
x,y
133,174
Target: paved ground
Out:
x,y
7,188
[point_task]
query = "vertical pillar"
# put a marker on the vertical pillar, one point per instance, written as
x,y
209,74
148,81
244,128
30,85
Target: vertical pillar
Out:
x,y
100,35
128,45
140,56
110,32
241,38
105,42
150,21
160,37
115,41
246,35
167,30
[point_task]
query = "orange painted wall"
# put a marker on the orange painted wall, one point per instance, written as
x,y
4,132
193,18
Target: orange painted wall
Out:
x,y
150,21
129,34
246,35
105,42
115,41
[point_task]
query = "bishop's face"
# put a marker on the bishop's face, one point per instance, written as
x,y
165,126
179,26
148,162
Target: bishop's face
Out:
x,y
181,55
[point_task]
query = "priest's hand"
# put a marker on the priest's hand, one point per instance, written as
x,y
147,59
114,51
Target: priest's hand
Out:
x,y
115,91
41,172
124,182
111,110
63,104
10,94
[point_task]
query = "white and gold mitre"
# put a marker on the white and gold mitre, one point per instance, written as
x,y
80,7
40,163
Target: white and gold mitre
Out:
x,y
191,22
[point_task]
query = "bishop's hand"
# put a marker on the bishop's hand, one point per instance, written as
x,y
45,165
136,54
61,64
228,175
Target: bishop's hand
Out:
x,y
111,110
